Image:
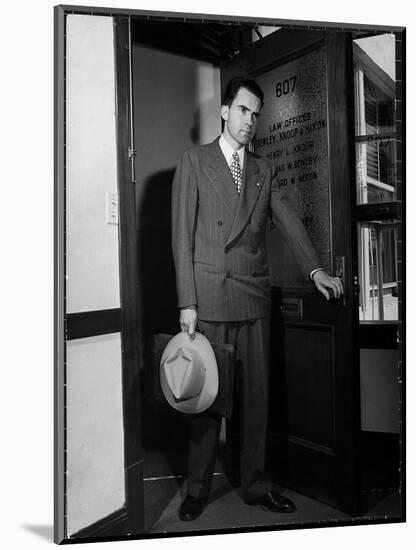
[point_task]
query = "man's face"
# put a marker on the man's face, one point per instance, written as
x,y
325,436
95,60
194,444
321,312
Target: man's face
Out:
x,y
241,118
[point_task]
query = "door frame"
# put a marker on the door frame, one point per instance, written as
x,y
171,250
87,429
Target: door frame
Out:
x,y
128,247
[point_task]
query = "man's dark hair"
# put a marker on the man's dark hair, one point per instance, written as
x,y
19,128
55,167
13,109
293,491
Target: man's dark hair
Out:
x,y
240,82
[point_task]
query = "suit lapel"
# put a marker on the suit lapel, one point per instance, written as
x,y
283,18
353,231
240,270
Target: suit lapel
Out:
x,y
220,176
239,206
253,179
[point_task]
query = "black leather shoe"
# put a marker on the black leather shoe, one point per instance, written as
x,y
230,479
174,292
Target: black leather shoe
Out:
x,y
191,508
272,502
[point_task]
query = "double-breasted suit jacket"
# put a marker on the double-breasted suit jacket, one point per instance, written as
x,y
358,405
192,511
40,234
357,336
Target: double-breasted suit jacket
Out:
x,y
219,236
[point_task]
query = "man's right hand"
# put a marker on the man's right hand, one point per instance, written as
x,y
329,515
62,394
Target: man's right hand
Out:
x,y
188,320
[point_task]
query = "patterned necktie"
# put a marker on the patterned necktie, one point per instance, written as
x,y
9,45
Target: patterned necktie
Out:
x,y
236,171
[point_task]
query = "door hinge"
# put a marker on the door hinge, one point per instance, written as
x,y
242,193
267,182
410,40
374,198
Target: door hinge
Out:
x,y
356,285
132,153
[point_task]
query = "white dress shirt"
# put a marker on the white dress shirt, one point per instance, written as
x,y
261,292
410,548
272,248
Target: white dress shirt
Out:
x,y
228,152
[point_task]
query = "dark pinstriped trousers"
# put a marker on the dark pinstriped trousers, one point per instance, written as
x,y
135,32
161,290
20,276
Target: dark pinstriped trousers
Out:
x,y
251,342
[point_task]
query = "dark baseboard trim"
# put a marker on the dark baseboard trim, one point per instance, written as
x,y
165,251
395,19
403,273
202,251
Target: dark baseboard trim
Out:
x,y
93,323
115,524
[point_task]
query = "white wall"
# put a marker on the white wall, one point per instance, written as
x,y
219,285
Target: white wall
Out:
x,y
95,454
95,461
208,101
92,247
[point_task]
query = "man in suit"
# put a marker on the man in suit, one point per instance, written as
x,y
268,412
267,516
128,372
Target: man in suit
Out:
x,y
222,197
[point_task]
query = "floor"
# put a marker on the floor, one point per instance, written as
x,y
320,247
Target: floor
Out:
x,y
227,510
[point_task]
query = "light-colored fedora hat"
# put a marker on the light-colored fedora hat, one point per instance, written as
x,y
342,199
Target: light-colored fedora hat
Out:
x,y
189,373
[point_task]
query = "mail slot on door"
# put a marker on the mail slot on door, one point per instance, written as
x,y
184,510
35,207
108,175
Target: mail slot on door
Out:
x,y
292,307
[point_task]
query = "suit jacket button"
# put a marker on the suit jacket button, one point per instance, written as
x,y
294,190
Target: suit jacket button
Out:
x,y
219,222
226,250
228,274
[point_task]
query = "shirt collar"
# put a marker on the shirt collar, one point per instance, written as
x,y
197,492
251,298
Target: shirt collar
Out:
x,y
228,151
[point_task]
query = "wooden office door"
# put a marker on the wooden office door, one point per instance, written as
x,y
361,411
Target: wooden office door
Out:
x,y
305,130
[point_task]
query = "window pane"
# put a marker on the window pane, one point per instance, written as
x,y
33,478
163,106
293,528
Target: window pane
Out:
x,y
377,247
374,80
378,107
376,177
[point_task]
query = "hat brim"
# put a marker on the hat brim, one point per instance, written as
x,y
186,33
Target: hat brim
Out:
x,y
209,390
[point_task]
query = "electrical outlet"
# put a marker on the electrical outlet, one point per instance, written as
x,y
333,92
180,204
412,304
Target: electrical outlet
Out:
x,y
111,208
